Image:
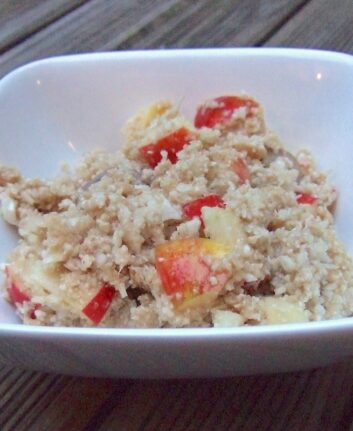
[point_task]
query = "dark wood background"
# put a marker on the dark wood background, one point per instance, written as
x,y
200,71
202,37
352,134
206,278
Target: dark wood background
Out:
x,y
320,399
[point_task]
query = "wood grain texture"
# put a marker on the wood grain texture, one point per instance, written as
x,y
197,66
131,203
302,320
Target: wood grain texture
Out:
x,y
19,19
40,401
321,24
315,400
212,23
246,403
136,24
96,26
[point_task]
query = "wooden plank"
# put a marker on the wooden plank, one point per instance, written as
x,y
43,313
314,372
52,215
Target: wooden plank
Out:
x,y
146,397
23,395
312,400
91,27
214,23
322,24
19,19
108,25
74,406
39,401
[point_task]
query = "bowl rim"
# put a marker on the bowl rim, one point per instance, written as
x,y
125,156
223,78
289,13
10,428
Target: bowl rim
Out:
x,y
152,54
293,330
289,330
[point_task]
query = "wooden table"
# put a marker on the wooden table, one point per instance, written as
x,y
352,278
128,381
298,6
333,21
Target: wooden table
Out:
x,y
316,400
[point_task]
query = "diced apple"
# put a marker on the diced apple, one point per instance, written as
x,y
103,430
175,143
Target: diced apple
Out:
x,y
222,225
194,208
17,292
219,111
37,276
98,306
33,279
197,301
226,319
280,310
306,198
147,115
43,280
9,210
171,144
241,169
186,275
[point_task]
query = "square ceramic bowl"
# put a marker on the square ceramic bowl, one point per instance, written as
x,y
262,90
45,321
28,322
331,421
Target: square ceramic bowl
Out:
x,y
57,109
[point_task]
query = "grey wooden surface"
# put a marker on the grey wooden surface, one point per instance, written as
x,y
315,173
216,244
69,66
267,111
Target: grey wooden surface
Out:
x,y
313,400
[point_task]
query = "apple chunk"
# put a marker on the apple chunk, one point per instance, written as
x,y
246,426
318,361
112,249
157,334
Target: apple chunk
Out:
x,y
222,225
17,293
279,310
186,273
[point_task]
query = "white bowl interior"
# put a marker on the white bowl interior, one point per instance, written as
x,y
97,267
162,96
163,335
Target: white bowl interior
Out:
x,y
57,109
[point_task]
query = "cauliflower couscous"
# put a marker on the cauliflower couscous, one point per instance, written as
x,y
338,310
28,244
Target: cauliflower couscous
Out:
x,y
204,223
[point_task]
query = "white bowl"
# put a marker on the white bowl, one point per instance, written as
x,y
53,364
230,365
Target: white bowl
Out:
x,y
56,109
